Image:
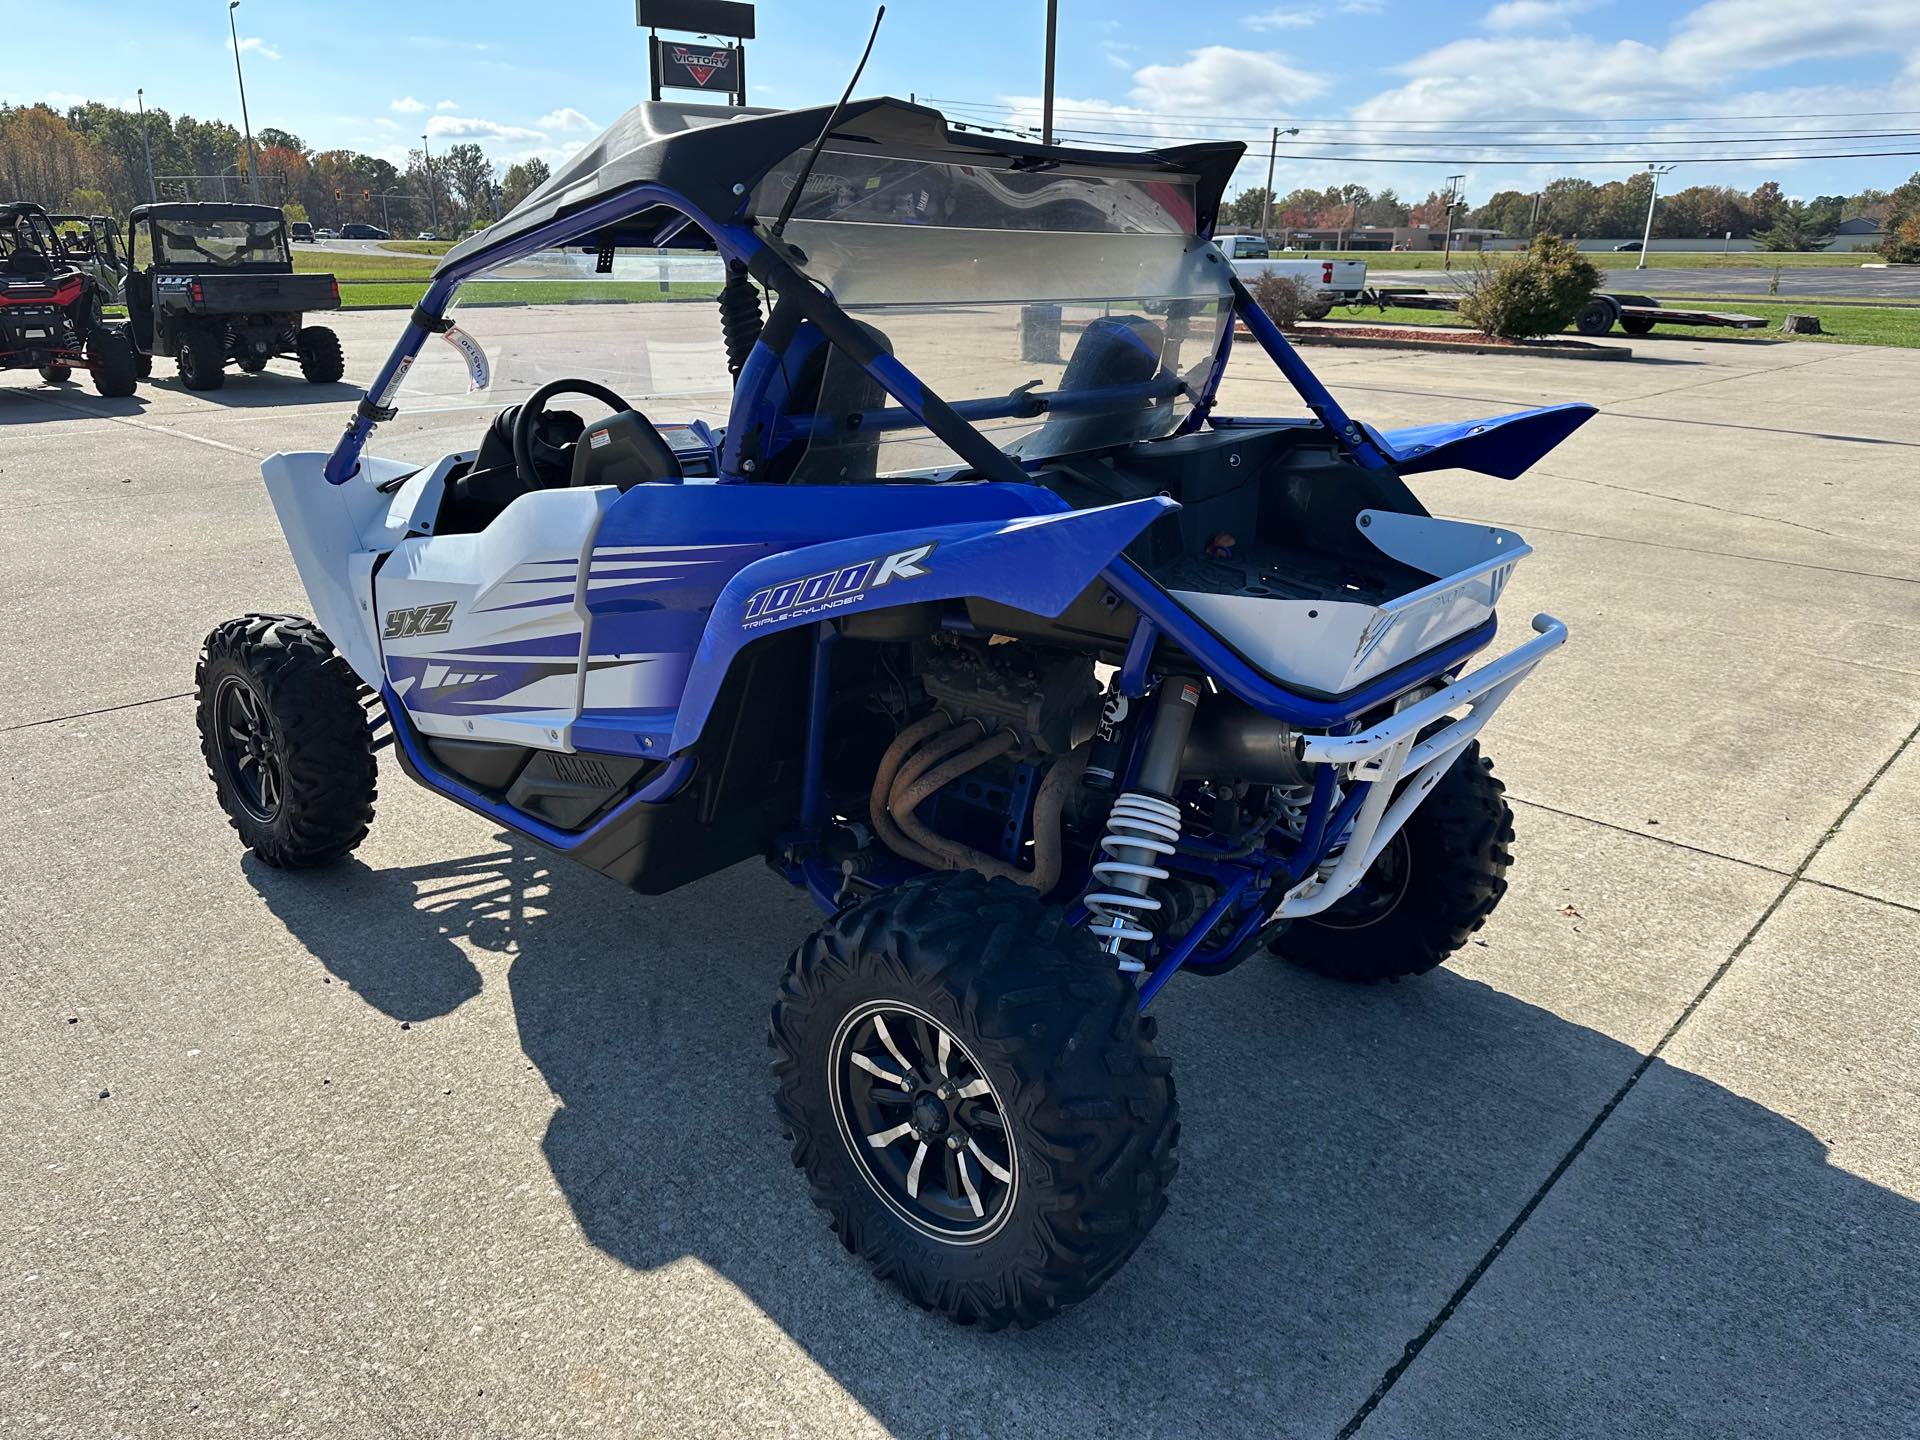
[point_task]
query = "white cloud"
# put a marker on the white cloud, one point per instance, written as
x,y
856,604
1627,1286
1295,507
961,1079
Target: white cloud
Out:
x,y
1760,34
466,127
406,105
1359,7
1532,14
1256,81
1280,20
565,119
254,45
445,105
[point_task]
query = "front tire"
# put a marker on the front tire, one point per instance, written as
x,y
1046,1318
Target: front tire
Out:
x,y
1432,887
320,358
285,739
1596,317
1001,1147
202,359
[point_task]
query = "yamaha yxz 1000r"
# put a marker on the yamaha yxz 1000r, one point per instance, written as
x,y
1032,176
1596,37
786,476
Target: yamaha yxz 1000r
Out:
x,y
950,591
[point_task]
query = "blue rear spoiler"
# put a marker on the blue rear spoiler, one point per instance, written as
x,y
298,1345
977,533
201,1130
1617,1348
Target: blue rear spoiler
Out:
x,y
1504,446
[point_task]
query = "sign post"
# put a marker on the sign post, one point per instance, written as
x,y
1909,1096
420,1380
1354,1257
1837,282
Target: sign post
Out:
x,y
697,64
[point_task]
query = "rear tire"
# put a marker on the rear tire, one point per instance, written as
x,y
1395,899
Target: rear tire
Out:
x,y
320,358
285,739
202,360
1636,324
1053,1076
57,374
1432,887
111,357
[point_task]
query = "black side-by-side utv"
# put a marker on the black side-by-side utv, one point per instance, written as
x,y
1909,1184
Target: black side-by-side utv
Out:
x,y
213,285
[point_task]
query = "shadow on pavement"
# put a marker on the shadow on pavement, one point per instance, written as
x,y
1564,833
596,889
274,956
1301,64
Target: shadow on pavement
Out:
x,y
270,387
1348,1156
38,404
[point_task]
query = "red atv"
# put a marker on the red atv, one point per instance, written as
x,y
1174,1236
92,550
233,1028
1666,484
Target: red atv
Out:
x,y
50,310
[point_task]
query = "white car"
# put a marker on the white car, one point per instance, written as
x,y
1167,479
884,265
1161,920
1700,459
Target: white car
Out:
x,y
427,235
326,234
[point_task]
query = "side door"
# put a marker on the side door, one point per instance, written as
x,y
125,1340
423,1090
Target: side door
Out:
x,y
138,289
483,636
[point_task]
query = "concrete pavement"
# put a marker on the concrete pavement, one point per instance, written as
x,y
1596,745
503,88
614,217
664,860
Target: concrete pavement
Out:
x,y
460,1140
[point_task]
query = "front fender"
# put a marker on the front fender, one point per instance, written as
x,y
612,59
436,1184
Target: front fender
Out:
x,y
1036,563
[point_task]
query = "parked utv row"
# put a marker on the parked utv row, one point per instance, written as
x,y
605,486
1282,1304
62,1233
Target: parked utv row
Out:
x,y
210,285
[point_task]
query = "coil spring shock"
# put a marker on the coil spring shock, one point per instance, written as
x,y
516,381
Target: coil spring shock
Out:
x,y
1293,801
1140,829
740,318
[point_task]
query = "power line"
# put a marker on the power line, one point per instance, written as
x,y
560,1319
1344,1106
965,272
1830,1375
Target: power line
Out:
x,y
1461,154
1346,121
1476,144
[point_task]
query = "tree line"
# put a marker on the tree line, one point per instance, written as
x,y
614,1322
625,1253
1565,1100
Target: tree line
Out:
x,y
1570,207
92,158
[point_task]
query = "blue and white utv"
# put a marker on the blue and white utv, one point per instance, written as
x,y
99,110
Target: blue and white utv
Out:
x,y
950,592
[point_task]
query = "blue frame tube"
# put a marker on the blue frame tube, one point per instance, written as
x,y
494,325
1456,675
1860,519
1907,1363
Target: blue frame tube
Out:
x,y
1348,435
670,781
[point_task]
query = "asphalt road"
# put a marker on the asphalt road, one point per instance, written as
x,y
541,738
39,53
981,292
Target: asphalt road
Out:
x,y
457,1140
1894,282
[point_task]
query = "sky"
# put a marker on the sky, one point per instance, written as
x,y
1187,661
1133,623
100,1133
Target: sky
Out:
x,y
1401,88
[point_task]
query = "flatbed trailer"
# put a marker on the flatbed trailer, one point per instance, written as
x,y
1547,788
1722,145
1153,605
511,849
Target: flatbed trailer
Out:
x,y
1635,314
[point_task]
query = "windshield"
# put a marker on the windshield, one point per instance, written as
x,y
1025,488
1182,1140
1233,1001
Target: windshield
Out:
x,y
1057,311
647,330
219,242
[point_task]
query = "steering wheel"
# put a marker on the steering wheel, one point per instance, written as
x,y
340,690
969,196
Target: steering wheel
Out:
x,y
535,406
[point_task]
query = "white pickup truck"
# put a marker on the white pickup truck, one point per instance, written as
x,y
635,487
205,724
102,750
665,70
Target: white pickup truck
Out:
x,y
1327,282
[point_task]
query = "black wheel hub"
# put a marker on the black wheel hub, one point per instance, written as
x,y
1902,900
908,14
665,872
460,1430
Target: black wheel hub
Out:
x,y
247,749
1379,892
922,1122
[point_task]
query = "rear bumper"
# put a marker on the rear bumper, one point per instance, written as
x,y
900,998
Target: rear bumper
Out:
x,y
1400,768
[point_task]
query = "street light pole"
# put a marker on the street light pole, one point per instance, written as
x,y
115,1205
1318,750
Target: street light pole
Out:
x,y
140,99
433,197
1656,171
1046,96
253,168
1453,201
1266,207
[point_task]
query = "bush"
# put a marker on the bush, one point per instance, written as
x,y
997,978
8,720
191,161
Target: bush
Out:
x,y
1281,296
1536,291
1902,245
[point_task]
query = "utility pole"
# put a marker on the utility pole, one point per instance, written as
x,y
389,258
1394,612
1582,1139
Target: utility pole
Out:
x,y
253,183
140,99
1453,202
1046,95
1273,149
433,197
1656,171
1533,220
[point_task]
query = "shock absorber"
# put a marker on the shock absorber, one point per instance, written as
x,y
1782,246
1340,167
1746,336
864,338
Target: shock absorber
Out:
x,y
741,320
1143,826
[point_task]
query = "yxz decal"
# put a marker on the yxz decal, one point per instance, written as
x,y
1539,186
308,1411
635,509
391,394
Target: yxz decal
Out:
x,y
833,589
434,619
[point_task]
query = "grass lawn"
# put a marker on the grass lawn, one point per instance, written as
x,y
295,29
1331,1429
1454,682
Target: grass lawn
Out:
x,y
359,296
361,264
1657,259
1846,324
418,247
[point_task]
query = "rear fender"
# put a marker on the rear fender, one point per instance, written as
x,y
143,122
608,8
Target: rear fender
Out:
x,y
1504,446
1037,563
